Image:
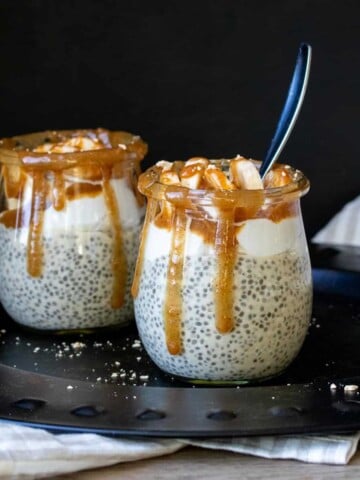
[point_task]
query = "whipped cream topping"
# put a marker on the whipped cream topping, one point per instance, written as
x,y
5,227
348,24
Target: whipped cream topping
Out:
x,y
258,237
87,213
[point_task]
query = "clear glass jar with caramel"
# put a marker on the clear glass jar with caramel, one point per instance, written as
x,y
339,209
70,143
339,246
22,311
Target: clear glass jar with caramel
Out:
x,y
223,286
70,216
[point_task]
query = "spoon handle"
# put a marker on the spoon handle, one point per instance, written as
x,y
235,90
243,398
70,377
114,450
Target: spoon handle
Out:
x,y
291,108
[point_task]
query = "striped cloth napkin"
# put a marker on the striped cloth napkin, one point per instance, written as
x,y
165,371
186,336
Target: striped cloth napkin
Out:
x,y
28,453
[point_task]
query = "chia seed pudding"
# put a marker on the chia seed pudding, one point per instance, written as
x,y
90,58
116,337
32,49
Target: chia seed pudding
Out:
x,y
69,228
75,288
222,296
272,306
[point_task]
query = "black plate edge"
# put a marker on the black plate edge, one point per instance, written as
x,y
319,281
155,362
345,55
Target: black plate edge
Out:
x,y
185,412
175,412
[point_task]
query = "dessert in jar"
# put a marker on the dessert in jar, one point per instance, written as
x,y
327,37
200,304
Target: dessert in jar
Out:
x,y
70,216
223,286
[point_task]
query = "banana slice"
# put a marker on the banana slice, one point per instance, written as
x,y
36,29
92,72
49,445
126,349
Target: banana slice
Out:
x,y
245,175
164,165
277,177
169,177
217,179
197,160
191,174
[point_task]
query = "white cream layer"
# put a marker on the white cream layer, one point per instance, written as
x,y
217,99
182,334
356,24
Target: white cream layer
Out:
x,y
85,213
259,237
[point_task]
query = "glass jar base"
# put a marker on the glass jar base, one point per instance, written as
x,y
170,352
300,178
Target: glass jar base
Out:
x,y
76,331
225,383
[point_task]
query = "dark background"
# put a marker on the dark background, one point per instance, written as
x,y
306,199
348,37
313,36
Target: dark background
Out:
x,y
200,77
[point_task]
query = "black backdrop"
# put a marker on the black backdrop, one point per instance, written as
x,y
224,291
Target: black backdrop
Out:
x,y
200,77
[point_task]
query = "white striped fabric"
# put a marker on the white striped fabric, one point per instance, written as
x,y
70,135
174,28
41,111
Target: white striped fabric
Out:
x,y
28,453
344,228
330,449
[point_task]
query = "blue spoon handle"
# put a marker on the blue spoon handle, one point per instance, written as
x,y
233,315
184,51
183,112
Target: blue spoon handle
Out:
x,y
291,108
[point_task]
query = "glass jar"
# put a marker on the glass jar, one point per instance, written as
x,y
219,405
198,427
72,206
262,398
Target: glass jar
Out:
x,y
223,285
70,216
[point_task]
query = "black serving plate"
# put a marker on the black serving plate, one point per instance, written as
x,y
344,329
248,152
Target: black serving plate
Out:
x,y
105,383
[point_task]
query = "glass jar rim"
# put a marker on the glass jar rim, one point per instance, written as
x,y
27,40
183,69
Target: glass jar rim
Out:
x,y
125,147
150,186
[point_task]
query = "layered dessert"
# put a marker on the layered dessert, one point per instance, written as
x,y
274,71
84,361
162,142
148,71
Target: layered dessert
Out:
x,y
222,288
69,227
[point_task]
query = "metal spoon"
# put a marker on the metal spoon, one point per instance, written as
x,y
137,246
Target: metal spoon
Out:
x,y
291,108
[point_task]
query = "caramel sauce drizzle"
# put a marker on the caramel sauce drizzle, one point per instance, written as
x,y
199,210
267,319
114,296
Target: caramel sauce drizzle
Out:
x,y
149,216
16,217
278,212
58,191
119,264
14,180
11,218
173,299
35,244
80,190
163,218
90,172
205,229
225,243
